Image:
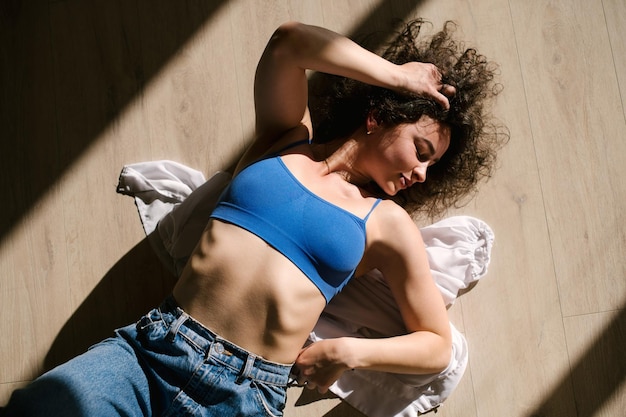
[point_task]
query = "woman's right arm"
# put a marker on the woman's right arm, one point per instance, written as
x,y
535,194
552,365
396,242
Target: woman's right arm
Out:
x,y
397,249
280,88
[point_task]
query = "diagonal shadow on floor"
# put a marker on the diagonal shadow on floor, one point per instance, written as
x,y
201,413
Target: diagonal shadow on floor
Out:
x,y
594,378
67,70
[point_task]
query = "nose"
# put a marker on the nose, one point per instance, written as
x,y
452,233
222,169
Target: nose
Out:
x,y
419,173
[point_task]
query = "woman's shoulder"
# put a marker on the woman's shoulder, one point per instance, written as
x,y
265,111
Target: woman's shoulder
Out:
x,y
263,146
392,237
390,213
390,222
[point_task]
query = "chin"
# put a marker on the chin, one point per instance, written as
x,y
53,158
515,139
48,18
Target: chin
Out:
x,y
393,190
388,188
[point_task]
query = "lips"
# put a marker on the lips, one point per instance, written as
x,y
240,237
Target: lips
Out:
x,y
404,182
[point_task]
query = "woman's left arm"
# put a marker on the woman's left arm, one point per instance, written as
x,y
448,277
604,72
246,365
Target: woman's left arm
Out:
x,y
280,82
398,252
281,90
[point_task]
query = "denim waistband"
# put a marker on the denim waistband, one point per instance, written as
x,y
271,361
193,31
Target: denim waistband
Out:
x,y
246,363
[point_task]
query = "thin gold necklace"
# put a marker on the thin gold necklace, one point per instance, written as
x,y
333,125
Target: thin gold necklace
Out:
x,y
327,166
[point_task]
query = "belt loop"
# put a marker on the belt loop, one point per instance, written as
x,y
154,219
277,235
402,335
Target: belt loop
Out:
x,y
247,369
175,326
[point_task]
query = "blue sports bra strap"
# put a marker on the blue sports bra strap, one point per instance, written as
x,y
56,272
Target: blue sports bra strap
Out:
x,y
378,200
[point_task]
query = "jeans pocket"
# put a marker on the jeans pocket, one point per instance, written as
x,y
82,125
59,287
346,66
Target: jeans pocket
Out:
x,y
271,397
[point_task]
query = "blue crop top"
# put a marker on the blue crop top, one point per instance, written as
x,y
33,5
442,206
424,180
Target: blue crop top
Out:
x,y
325,241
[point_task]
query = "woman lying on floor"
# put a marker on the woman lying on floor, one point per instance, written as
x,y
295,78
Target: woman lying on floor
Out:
x,y
303,215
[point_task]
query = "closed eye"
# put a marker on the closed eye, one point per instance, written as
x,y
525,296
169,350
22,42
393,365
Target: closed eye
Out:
x,y
422,157
425,155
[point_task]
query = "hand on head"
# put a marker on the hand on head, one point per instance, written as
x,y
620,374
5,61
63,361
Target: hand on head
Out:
x,y
425,80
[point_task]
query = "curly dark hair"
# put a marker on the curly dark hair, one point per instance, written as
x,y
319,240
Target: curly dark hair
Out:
x,y
475,137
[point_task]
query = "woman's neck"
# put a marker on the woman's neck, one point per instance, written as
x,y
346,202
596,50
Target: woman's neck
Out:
x,y
340,156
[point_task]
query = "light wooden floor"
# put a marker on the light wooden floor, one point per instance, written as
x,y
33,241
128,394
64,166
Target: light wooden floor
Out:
x,y
88,86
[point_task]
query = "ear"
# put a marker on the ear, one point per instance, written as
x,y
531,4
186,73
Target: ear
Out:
x,y
371,122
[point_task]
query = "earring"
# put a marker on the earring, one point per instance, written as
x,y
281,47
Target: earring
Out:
x,y
369,132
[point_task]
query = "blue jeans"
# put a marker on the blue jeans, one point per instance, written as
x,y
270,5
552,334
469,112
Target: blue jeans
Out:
x,y
167,364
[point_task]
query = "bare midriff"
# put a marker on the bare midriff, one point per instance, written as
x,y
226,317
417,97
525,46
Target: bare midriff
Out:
x,y
247,292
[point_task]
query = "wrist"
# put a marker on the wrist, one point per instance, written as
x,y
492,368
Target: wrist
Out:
x,y
400,79
348,353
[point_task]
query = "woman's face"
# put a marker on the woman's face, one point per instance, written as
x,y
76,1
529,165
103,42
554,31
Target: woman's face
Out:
x,y
402,154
